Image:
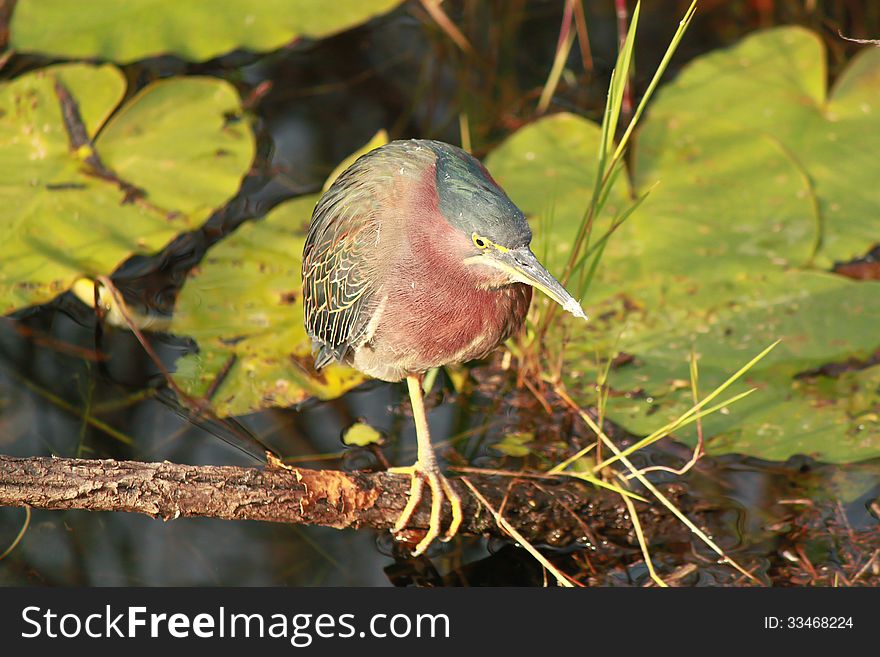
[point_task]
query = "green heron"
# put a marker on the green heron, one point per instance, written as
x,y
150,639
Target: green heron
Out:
x,y
416,258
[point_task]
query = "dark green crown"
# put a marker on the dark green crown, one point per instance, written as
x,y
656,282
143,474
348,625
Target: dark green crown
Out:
x,y
473,202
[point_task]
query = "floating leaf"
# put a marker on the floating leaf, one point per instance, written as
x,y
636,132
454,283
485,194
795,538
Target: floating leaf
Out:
x,y
194,29
760,179
361,434
772,84
515,444
170,151
243,306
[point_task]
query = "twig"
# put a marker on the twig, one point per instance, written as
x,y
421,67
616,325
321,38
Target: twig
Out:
x,y
20,535
871,42
436,12
561,579
867,565
580,21
201,408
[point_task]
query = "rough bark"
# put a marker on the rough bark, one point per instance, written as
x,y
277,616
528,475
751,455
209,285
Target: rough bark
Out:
x,y
543,511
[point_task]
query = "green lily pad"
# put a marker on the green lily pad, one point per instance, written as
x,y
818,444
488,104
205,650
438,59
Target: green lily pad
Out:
x,y
820,318
761,179
195,29
773,84
174,155
243,306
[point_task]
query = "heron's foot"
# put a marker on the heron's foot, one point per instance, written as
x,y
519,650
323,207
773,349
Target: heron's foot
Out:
x,y
420,474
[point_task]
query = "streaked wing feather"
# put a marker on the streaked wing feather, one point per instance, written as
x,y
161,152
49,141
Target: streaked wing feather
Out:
x,y
337,285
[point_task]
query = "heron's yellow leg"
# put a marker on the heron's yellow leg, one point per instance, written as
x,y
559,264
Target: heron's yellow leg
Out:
x,y
425,470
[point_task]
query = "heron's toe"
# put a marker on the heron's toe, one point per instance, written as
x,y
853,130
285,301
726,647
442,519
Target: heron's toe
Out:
x,y
457,510
415,495
440,490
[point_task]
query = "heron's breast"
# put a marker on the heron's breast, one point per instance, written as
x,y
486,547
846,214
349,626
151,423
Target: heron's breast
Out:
x,y
426,322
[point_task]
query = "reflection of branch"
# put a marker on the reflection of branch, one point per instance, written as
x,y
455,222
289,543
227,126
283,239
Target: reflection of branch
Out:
x,y
331,498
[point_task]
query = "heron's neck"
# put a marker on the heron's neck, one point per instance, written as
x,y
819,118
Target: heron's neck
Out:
x,y
434,246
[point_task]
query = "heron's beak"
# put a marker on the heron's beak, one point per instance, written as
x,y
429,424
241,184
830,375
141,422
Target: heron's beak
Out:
x,y
522,265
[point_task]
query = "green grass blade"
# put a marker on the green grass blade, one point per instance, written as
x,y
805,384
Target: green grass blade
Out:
x,y
618,84
667,57
599,246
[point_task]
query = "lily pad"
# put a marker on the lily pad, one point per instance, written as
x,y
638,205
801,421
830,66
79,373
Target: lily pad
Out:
x,y
761,180
820,319
195,29
243,307
773,84
361,434
168,157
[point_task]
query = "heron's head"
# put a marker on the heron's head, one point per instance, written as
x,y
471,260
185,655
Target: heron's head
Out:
x,y
493,233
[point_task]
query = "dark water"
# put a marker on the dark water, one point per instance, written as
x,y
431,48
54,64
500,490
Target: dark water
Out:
x,y
83,548
325,100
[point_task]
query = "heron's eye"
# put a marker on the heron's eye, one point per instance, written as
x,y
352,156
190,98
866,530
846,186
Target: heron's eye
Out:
x,y
480,242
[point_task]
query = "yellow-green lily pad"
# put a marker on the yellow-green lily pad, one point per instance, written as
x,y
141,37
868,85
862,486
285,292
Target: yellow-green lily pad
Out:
x,y
773,84
361,434
125,31
171,151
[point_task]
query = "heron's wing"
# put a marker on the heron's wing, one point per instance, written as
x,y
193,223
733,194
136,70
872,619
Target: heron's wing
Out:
x,y
338,273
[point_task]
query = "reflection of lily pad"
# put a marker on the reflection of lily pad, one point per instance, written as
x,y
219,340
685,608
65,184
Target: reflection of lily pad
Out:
x,y
752,190
172,143
128,30
243,306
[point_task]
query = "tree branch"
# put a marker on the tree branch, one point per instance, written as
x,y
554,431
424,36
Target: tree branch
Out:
x,y
551,512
